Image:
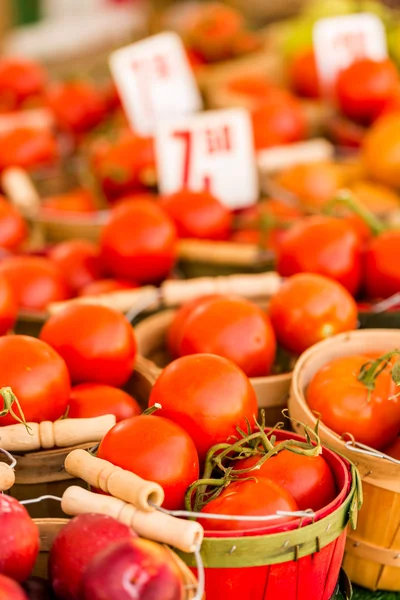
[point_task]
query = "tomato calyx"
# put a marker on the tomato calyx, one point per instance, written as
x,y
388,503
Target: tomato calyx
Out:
x,y
371,370
9,399
152,409
219,471
347,199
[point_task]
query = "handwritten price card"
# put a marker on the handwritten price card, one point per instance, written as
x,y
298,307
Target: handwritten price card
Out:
x,y
340,41
212,150
154,80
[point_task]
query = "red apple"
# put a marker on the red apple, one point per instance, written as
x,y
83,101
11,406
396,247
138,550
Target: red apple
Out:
x,y
133,570
75,546
11,590
19,545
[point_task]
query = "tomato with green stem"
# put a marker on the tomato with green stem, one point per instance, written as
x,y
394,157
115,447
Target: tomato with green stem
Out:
x,y
155,449
97,343
258,498
38,377
234,328
309,308
308,479
358,396
214,398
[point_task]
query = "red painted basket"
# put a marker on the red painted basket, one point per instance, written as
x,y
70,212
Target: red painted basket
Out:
x,y
297,561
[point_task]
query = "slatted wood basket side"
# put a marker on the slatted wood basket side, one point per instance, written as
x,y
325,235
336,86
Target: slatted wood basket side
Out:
x,y
372,556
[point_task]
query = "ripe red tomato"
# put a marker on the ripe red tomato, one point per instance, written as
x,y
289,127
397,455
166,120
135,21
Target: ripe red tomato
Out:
x,y
38,377
212,30
394,449
279,119
96,342
11,590
79,260
157,450
94,399
381,148
309,308
325,245
346,407
27,148
35,281
76,201
105,286
304,74
214,398
198,215
20,79
249,498
8,307
382,271
234,328
13,229
364,87
308,479
77,105
125,165
139,242
176,328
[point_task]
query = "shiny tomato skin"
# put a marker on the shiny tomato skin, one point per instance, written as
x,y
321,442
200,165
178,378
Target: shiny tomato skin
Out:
x,y
308,479
155,449
277,120
249,498
8,307
34,280
364,88
324,245
214,398
105,286
198,215
308,308
79,260
381,148
175,331
27,148
38,377
20,79
343,402
96,342
234,328
382,270
13,228
77,105
139,242
94,399
304,74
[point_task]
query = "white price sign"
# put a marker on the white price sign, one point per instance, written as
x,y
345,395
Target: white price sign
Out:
x,y
154,80
340,41
213,150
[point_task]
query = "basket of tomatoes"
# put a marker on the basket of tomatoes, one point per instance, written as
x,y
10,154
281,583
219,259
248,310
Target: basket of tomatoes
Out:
x,y
55,399
349,384
262,337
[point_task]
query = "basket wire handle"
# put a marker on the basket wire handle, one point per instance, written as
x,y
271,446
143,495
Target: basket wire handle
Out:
x,y
11,458
354,446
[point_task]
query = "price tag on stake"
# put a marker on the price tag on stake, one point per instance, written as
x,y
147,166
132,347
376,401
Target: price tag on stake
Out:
x,y
340,41
212,150
154,80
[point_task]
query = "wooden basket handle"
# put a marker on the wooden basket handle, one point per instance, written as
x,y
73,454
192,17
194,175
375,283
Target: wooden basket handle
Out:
x,y
63,433
115,481
263,285
7,477
157,526
21,191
